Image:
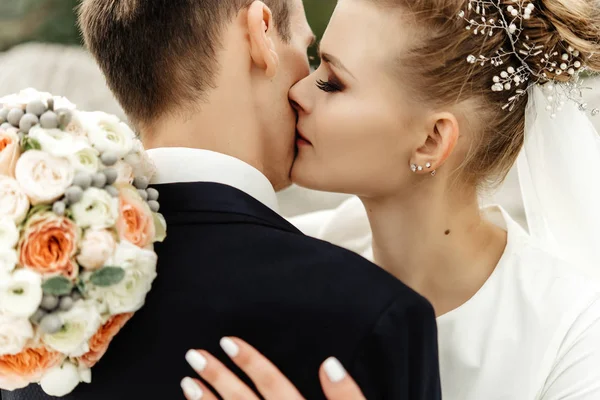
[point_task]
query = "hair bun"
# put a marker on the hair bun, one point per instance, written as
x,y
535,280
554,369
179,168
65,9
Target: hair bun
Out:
x,y
569,31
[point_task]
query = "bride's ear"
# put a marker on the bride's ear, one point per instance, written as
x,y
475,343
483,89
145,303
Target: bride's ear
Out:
x,y
261,27
443,133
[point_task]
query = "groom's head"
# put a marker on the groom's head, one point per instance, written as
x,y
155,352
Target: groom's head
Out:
x,y
222,64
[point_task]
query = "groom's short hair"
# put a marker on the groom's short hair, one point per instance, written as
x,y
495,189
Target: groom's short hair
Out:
x,y
159,55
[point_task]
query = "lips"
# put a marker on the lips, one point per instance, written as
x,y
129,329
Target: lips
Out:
x,y
300,136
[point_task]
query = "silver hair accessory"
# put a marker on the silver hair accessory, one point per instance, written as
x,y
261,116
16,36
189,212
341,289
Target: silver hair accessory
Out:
x,y
556,62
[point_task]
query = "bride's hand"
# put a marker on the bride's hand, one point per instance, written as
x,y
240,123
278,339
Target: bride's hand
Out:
x,y
269,381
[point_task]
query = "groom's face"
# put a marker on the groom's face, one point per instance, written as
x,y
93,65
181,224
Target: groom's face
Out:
x,y
278,118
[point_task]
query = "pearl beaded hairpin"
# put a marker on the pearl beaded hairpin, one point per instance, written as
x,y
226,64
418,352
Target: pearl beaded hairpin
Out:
x,y
511,20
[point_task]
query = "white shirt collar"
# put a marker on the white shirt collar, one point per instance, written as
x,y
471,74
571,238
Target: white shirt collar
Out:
x,y
180,164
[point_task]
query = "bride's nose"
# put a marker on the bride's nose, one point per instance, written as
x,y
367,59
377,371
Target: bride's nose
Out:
x,y
300,96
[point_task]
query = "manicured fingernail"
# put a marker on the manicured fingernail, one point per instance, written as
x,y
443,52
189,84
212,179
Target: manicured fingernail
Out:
x,y
196,360
229,347
191,389
334,370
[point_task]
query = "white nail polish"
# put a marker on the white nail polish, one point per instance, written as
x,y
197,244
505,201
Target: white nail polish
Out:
x,y
196,360
191,389
334,370
229,347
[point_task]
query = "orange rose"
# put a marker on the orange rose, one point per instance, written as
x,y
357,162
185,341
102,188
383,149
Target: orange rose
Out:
x,y
48,245
19,370
10,150
135,223
100,341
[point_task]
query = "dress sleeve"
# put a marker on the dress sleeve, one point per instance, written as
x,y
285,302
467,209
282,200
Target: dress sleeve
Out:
x,y
398,359
346,226
576,373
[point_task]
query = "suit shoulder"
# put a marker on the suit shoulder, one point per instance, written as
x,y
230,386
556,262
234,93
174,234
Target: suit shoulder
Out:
x,y
324,255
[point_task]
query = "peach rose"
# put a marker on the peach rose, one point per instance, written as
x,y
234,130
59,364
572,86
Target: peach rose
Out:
x,y
135,223
10,150
28,366
101,340
48,245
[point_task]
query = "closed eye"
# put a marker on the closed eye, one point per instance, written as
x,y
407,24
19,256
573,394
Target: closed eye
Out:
x,y
329,86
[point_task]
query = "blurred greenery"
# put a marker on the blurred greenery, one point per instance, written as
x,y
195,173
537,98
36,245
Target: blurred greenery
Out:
x,y
318,13
53,21
37,20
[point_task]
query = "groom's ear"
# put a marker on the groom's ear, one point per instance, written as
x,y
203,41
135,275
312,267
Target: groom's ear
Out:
x,y
261,27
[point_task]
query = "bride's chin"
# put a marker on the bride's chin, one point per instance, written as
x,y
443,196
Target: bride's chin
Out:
x,y
301,175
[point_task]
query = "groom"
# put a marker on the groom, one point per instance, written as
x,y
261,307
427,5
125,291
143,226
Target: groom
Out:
x,y
205,82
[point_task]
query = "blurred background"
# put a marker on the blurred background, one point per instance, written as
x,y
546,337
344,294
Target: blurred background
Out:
x,y
53,21
40,47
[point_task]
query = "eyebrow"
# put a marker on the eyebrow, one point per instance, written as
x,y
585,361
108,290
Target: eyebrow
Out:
x,y
333,60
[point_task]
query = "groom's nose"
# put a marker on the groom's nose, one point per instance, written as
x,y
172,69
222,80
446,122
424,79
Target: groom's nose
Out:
x,y
300,96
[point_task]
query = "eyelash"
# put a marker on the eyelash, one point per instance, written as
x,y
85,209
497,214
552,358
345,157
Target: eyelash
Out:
x,y
329,87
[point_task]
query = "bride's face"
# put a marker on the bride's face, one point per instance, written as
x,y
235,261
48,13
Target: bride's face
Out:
x,y
358,122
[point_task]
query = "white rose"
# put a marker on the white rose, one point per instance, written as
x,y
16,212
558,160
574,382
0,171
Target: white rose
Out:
x,y
63,102
107,133
128,295
96,209
86,160
57,142
124,173
25,96
75,126
43,177
8,261
20,293
14,334
14,203
61,380
130,257
9,234
140,163
95,249
79,325
85,374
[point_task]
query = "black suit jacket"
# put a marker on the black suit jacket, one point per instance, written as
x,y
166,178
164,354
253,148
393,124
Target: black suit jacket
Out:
x,y
231,266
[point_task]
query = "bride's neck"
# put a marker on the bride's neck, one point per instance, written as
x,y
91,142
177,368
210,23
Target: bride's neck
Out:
x,y
436,243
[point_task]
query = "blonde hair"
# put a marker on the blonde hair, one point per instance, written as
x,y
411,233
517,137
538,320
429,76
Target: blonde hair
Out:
x,y
445,76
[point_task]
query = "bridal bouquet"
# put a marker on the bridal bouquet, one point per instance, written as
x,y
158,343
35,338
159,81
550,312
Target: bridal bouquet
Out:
x,y
77,227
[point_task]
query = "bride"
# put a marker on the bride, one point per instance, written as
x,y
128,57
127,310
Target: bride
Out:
x,y
417,107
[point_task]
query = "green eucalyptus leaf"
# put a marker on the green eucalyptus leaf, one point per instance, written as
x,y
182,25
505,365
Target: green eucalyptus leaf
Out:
x,y
81,286
107,276
58,286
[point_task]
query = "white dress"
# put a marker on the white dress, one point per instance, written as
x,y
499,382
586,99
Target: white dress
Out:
x,y
532,332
